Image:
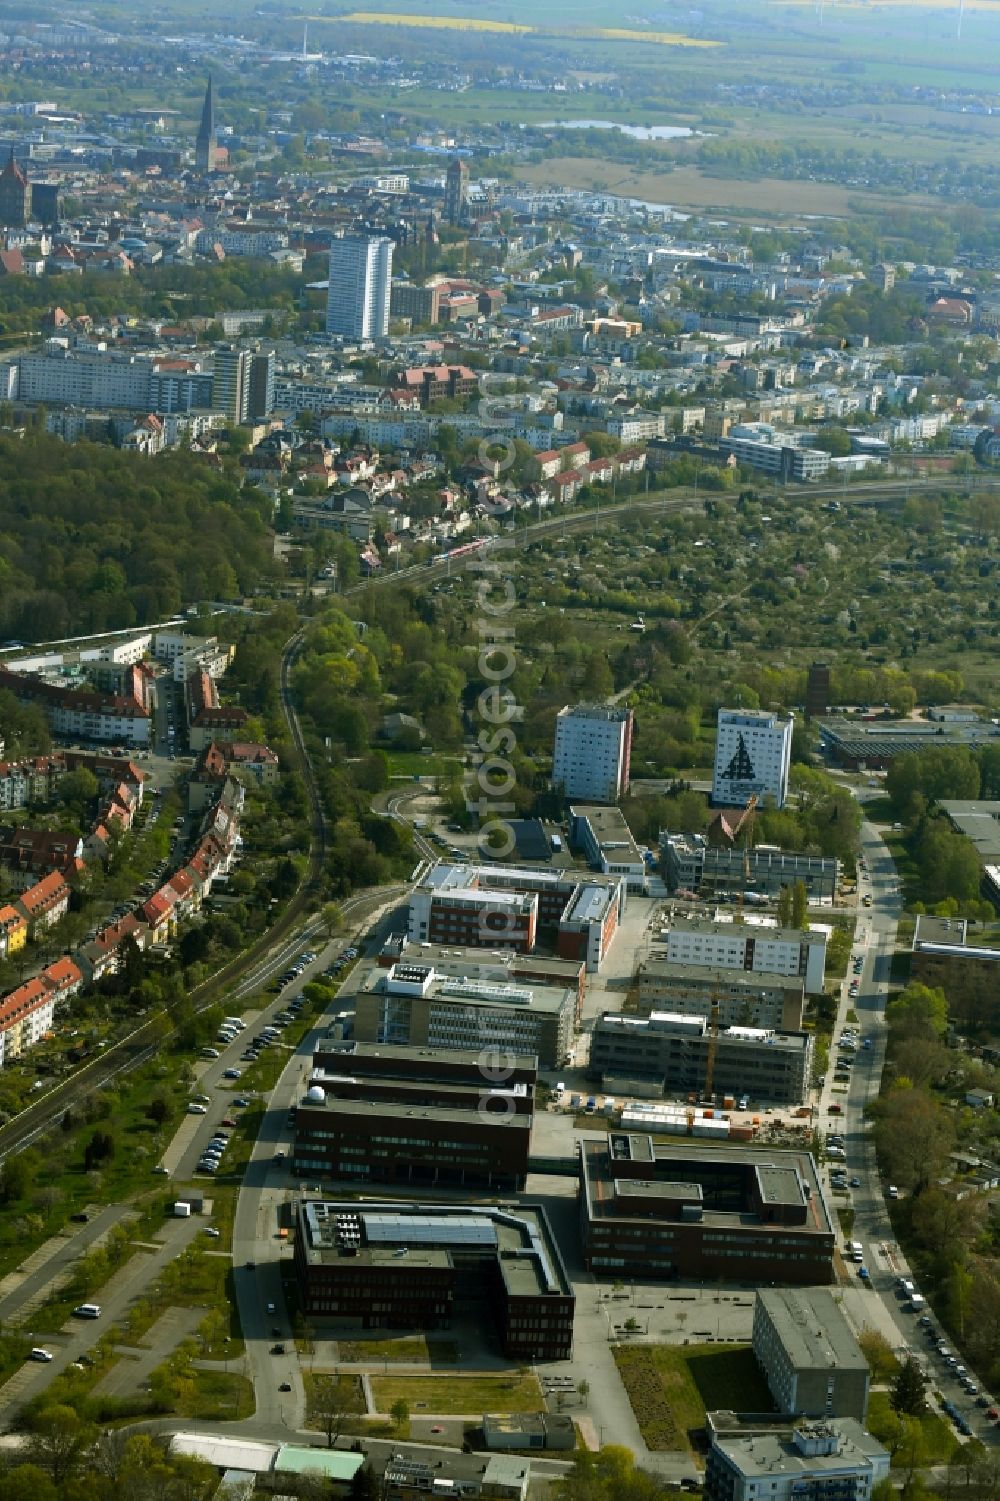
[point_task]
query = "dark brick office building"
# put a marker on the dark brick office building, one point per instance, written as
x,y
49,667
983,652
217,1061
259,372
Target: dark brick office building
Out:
x,y
377,1113
412,1266
743,1214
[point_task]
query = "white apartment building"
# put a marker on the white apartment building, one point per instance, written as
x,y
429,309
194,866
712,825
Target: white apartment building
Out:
x,y
592,752
757,946
64,378
791,1459
753,752
357,304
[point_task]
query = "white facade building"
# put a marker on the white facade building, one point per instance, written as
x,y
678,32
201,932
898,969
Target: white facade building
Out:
x,y
65,378
755,946
787,1461
753,751
592,752
357,303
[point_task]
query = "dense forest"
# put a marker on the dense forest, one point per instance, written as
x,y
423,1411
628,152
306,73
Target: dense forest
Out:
x,y
93,539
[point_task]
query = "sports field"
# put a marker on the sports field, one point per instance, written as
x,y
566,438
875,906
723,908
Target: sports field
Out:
x,y
515,28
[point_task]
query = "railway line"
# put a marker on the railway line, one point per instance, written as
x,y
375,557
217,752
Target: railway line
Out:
x,y
244,974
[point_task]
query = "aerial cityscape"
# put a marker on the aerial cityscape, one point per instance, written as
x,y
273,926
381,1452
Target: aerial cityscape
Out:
x,y
500,751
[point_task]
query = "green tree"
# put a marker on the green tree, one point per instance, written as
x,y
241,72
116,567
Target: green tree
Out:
x,y
800,905
400,1413
906,1393
918,1011
879,1354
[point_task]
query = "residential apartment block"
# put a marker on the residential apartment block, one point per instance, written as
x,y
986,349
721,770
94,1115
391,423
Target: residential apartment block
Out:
x,y
786,1459
752,945
592,751
744,998
808,1354
753,752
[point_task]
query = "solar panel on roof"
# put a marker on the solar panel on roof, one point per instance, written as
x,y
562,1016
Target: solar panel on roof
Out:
x,y
421,1229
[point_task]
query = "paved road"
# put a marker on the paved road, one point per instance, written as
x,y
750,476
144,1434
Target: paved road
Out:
x,y
876,939
49,1269
116,1298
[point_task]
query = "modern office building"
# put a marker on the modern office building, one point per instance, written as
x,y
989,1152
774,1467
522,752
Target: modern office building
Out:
x,y
592,752
386,1114
401,1266
513,906
456,186
689,862
206,152
474,964
412,1005
357,304
260,395
419,304
807,1352
231,382
744,999
671,1051
980,822
606,840
784,1459
754,945
679,1209
753,752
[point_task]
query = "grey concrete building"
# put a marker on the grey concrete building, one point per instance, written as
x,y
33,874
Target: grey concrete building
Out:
x,y
807,1352
745,998
672,1051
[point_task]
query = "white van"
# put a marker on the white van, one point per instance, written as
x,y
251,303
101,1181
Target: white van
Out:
x,y
856,1249
235,1022
87,1311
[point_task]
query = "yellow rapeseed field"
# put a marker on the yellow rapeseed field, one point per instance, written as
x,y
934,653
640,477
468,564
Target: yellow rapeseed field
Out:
x,y
444,23
468,23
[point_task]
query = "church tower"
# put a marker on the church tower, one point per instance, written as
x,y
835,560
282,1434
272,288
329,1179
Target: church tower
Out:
x,y
205,151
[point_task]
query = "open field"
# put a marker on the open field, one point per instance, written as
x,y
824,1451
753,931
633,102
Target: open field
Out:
x,y
515,28
687,187
671,1387
464,1394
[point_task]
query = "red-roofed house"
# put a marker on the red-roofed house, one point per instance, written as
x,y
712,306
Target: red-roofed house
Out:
x,y
44,904
25,1016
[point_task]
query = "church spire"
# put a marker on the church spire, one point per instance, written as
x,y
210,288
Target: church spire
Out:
x,y
204,151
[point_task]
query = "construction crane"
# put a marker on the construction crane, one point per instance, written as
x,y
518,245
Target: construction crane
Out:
x,y
713,1046
747,822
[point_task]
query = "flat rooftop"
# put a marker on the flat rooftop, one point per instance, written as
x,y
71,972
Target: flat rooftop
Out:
x,y
980,822
770,1449
941,932
610,830
811,1326
519,1239
589,904
357,1054
483,964
468,990
785,1176
392,1110
891,737
660,970
751,925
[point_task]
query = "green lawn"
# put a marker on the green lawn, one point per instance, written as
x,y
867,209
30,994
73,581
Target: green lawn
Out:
x,y
466,1394
371,1352
218,1396
671,1387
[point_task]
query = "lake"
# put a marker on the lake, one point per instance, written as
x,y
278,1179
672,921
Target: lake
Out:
x,y
637,132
